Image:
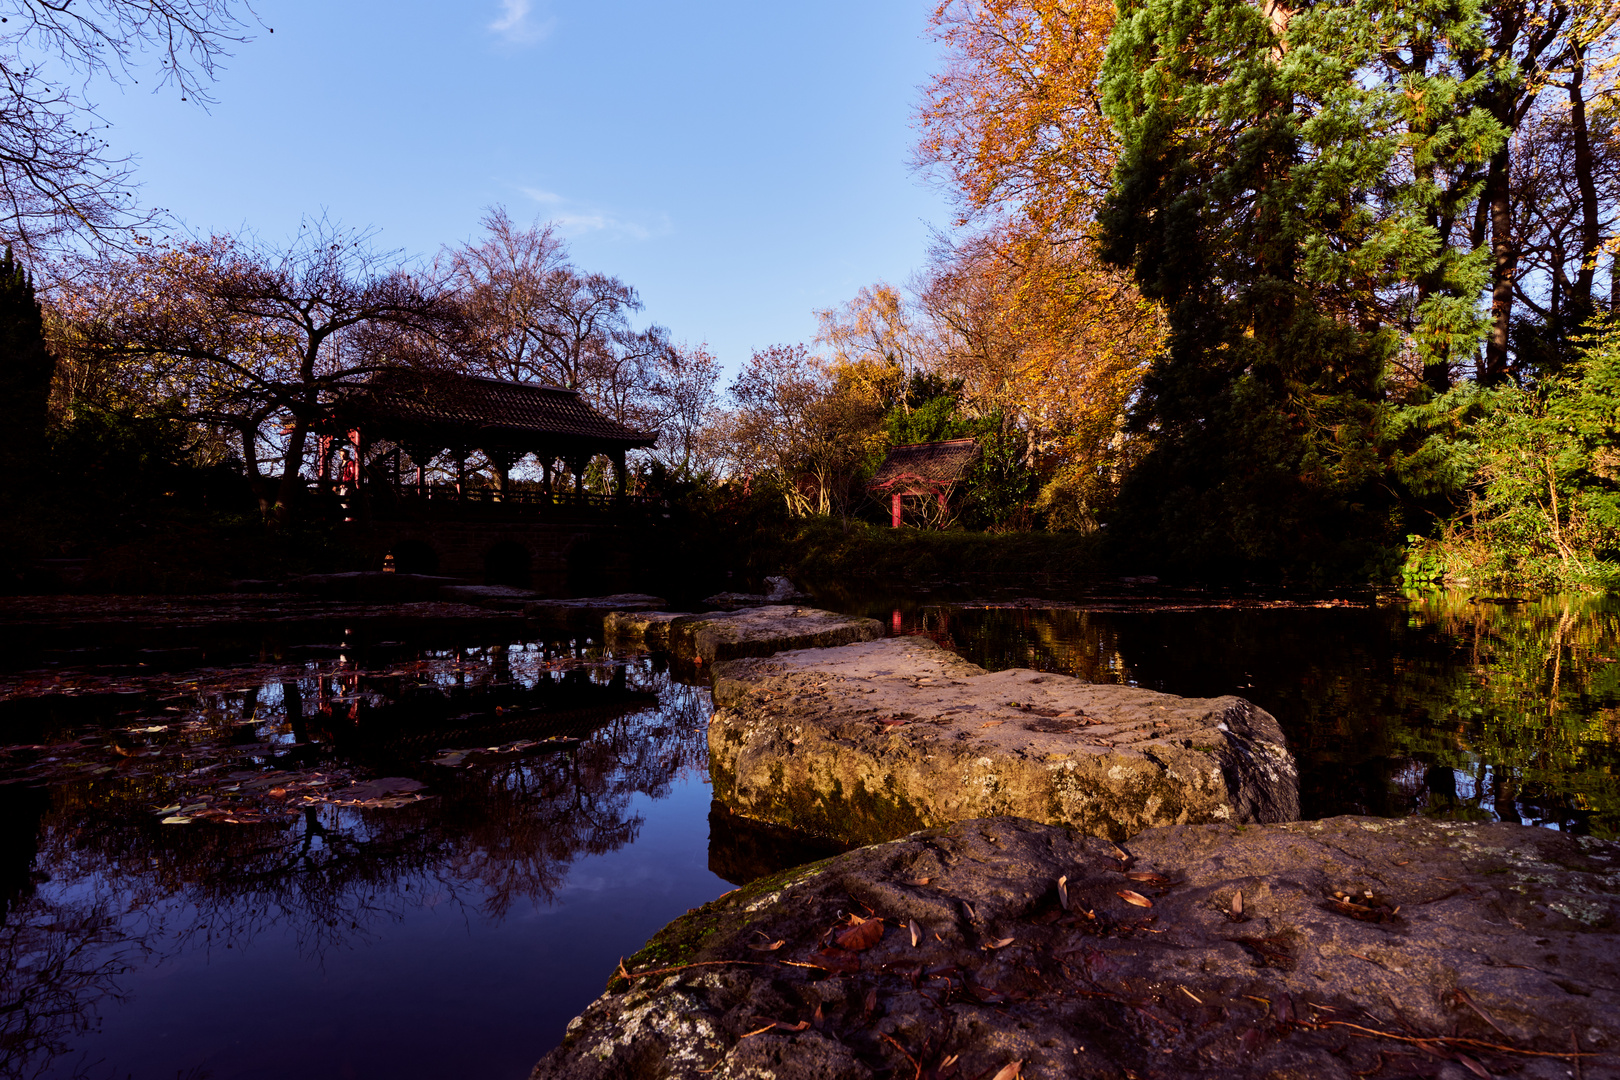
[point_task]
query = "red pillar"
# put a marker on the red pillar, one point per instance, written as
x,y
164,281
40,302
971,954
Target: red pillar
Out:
x,y
894,510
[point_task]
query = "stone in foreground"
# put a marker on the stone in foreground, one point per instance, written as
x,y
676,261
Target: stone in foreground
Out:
x,y
1360,947
873,741
761,631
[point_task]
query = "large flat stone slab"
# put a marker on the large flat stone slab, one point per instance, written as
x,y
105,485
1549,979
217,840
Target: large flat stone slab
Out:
x,y
640,629
873,741
1483,950
761,631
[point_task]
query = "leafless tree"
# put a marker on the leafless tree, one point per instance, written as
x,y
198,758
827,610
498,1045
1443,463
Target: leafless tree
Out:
x,y
246,333
541,319
57,175
686,396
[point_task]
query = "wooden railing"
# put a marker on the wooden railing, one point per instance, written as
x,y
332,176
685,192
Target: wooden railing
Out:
x,y
448,493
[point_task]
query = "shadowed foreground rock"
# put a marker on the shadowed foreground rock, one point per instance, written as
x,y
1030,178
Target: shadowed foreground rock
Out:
x,y
1482,950
877,740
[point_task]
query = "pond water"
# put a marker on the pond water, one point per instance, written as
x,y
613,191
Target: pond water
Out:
x,y
395,860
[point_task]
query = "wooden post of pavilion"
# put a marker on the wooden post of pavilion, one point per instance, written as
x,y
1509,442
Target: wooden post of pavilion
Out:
x,y
501,460
621,475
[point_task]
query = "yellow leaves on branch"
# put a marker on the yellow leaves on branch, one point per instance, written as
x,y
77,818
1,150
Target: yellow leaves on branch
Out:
x,y
1044,336
1013,117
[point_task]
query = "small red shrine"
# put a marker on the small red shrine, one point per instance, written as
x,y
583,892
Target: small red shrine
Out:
x,y
931,470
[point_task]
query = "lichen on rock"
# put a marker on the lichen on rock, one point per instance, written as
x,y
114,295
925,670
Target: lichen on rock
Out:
x,y
1352,952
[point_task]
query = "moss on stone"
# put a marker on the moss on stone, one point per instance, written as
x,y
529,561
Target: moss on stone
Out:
x,y
682,940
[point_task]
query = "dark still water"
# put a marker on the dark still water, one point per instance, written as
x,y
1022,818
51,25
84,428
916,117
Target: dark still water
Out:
x,y
402,861
277,870
1441,705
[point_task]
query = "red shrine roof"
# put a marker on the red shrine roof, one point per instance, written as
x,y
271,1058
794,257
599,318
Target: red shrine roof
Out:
x,y
450,408
928,466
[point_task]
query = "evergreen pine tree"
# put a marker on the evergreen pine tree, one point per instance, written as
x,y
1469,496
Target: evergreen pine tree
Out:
x,y
26,370
1285,187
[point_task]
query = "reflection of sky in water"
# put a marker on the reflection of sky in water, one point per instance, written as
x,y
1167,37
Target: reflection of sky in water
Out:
x,y
454,935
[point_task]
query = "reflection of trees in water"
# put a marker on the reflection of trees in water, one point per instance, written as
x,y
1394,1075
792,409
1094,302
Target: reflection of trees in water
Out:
x,y
60,960
122,887
1446,706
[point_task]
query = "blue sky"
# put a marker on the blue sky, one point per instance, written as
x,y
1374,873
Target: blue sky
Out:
x,y
741,164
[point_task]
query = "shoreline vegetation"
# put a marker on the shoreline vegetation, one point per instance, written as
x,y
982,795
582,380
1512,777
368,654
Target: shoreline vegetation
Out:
x,y
1317,300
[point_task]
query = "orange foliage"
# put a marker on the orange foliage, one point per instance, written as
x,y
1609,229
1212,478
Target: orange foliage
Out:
x,y
1013,118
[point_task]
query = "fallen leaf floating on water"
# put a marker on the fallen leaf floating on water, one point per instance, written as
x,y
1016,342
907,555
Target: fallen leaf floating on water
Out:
x,y
1134,898
916,934
1001,944
861,936
1011,1072
1063,891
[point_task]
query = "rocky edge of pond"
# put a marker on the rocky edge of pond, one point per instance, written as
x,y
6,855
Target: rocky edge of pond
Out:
x,y
872,741
1333,949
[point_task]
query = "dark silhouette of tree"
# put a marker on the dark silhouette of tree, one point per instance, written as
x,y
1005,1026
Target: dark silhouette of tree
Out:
x,y
26,367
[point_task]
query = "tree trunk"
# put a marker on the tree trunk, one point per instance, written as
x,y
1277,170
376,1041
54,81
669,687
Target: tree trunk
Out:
x,y
292,465
1581,307
249,432
1504,264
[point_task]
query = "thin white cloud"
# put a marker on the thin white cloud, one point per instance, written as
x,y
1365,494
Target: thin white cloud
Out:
x,y
573,219
518,24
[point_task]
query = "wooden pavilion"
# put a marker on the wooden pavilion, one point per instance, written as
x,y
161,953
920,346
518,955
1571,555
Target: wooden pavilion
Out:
x,y
425,414
931,469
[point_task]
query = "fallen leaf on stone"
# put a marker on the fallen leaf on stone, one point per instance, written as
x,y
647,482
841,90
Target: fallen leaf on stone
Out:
x,y
861,936
1002,944
1148,878
1063,891
916,934
770,946
1473,1066
919,881
1011,1072
992,723
1237,904
837,961
1134,898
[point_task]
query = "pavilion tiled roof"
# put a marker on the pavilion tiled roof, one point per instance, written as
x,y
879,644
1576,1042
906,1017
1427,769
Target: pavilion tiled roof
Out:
x,y
467,408
928,466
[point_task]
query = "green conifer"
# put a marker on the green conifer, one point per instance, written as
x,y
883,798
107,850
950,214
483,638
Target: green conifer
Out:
x,y
26,370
